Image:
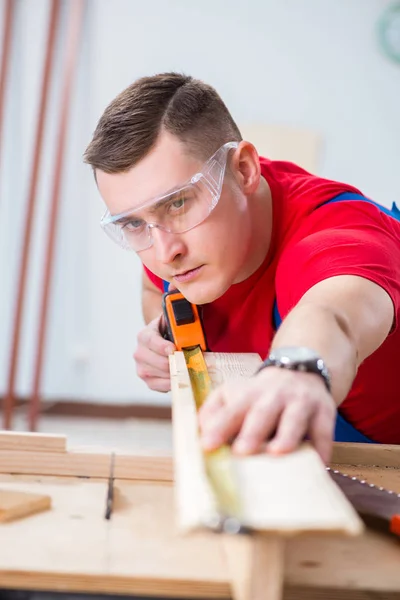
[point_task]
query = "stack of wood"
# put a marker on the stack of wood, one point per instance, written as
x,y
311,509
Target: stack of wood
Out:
x,y
307,542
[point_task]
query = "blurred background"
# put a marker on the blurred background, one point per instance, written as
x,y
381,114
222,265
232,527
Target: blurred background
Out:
x,y
312,81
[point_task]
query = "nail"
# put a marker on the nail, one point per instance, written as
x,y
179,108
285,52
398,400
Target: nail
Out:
x,y
274,447
210,442
242,447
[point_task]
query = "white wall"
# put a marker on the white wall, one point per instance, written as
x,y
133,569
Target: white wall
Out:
x,y
310,64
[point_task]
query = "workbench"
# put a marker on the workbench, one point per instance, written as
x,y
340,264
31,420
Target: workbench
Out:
x,y
139,552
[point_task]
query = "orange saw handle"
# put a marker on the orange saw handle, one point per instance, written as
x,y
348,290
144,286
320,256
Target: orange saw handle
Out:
x,y
395,524
184,326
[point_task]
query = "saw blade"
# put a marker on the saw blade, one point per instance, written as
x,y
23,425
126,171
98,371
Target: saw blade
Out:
x,y
377,506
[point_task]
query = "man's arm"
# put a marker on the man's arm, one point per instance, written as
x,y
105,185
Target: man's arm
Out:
x,y
344,319
151,299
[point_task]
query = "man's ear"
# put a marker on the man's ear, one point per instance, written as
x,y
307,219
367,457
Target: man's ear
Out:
x,y
246,167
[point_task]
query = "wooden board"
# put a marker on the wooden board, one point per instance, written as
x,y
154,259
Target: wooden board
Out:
x,y
36,442
287,494
140,551
160,467
86,464
380,455
16,504
255,566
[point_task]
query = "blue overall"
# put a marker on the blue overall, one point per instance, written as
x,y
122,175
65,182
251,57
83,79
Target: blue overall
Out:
x,y
344,431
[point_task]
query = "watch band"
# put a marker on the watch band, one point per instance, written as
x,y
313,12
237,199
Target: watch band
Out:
x,y
318,368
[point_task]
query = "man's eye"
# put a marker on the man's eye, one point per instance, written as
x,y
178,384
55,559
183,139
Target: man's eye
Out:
x,y
179,203
133,225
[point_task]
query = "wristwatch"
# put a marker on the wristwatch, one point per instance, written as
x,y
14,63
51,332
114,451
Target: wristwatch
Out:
x,y
298,358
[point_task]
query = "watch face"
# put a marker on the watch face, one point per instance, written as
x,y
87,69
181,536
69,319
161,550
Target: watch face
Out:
x,y
294,354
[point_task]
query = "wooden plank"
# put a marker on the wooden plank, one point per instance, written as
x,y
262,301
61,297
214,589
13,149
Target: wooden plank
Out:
x,y
367,562
86,464
381,455
279,494
140,551
224,367
255,566
16,504
36,442
151,468
324,593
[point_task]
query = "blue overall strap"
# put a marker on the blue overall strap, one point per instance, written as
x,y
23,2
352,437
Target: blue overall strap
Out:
x,y
344,431
393,212
165,285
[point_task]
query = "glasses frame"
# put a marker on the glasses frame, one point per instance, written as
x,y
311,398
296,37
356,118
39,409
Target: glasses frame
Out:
x,y
213,185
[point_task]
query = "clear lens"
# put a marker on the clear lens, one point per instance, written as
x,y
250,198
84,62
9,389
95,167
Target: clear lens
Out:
x,y
178,212
175,213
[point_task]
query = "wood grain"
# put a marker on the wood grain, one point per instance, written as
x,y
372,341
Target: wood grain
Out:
x,y
223,367
279,494
381,455
140,551
255,565
86,464
37,442
16,504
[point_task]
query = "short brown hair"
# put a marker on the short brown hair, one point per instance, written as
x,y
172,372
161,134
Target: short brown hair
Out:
x,y
179,104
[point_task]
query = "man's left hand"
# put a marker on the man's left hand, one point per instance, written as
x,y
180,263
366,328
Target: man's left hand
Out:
x,y
273,411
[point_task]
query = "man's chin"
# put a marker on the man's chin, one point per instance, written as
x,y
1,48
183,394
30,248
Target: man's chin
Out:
x,y
201,294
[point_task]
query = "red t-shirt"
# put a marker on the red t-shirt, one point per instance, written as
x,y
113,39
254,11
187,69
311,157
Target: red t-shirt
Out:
x,y
308,245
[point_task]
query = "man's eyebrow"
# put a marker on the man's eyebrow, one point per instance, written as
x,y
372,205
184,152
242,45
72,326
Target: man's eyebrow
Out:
x,y
127,218
151,209
173,196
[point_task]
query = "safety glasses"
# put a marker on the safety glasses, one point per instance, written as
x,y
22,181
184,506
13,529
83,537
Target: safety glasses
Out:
x,y
178,211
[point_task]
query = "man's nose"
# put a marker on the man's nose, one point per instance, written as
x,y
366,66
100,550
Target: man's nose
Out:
x,y
168,246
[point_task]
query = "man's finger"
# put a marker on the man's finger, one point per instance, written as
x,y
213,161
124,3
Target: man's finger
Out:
x,y
210,408
226,423
147,372
258,425
159,384
151,338
321,433
292,427
149,359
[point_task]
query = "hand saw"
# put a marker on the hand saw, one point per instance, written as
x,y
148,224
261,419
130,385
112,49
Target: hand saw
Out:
x,y
185,330
378,507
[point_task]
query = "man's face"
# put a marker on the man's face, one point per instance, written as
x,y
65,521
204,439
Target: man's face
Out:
x,y
205,261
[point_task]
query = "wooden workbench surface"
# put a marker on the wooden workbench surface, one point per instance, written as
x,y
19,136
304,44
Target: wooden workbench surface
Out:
x,y
139,551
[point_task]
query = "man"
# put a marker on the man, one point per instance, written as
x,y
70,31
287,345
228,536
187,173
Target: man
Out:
x,y
254,242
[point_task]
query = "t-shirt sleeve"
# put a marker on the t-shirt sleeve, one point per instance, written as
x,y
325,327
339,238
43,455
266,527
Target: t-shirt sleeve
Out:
x,y
154,278
355,238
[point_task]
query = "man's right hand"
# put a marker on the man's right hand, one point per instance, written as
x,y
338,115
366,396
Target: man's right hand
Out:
x,y
151,356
